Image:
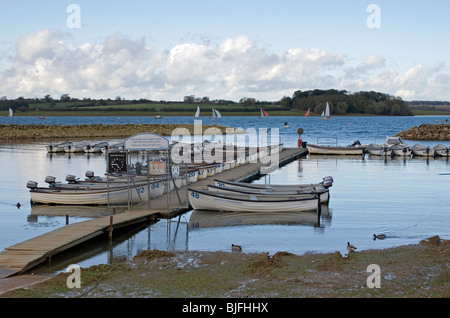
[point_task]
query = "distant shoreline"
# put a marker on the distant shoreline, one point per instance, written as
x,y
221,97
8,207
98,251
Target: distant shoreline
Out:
x,y
40,132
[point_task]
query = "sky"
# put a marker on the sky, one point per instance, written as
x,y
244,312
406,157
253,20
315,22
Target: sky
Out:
x,y
263,49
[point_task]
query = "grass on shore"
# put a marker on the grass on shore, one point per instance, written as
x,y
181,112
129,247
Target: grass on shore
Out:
x,y
420,270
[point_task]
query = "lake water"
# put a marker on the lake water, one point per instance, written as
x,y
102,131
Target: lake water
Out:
x,y
407,199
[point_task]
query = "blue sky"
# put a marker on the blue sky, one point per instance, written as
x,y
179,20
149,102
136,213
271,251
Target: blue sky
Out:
x,y
224,49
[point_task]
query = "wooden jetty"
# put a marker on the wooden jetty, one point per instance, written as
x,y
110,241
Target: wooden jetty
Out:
x,y
21,257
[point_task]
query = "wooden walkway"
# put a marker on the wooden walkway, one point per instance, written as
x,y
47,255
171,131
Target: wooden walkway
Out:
x,y
23,256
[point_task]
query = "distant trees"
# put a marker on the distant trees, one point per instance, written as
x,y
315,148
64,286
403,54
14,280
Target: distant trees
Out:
x,y
342,102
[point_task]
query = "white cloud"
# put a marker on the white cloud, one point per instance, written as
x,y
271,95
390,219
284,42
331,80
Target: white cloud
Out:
x,y
45,63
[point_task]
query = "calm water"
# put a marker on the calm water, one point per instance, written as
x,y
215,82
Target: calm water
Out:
x,y
407,199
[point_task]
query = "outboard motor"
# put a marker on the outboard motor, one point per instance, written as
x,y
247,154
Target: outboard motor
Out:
x,y
50,180
70,178
328,178
32,185
327,181
89,174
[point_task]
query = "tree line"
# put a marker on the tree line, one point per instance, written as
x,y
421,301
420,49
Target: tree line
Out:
x,y
342,102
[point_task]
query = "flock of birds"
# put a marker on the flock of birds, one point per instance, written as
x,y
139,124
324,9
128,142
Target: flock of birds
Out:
x,y
350,247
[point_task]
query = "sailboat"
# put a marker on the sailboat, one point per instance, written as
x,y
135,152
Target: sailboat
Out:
x,y
326,113
215,114
264,113
10,112
307,113
197,113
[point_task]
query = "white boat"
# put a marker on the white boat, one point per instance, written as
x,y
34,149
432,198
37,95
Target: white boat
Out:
x,y
95,147
320,191
197,113
115,195
441,150
211,201
330,150
94,191
327,182
398,146
54,148
192,176
158,117
425,151
72,147
379,150
114,147
10,114
326,113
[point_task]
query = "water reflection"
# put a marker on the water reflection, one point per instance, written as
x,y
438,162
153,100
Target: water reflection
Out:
x,y
73,210
208,219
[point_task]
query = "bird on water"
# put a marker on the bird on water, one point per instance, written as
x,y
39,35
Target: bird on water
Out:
x,y
236,247
379,236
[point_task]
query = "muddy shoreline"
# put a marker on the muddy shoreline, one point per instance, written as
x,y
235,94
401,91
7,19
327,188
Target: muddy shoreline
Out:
x,y
411,271
41,132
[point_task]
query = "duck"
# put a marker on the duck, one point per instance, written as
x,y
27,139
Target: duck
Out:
x,y
236,247
350,247
379,236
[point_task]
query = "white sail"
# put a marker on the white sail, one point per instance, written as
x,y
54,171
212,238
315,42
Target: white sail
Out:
x,y
197,113
217,113
326,114
213,114
10,112
327,110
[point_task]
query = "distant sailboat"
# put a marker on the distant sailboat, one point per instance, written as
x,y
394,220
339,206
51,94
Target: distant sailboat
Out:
x,y
197,113
264,113
215,114
326,113
10,112
307,113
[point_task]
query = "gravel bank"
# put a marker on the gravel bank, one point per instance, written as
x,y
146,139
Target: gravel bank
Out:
x,y
439,132
15,132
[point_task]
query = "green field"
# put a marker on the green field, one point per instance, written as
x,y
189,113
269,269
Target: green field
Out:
x,y
150,109
121,108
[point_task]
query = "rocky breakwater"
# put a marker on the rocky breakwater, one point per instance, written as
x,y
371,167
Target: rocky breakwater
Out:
x,y
14,132
427,132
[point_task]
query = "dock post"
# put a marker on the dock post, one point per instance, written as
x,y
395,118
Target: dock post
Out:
x,y
319,210
110,229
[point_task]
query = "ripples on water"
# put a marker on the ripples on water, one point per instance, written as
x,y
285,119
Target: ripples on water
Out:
x,y
403,198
